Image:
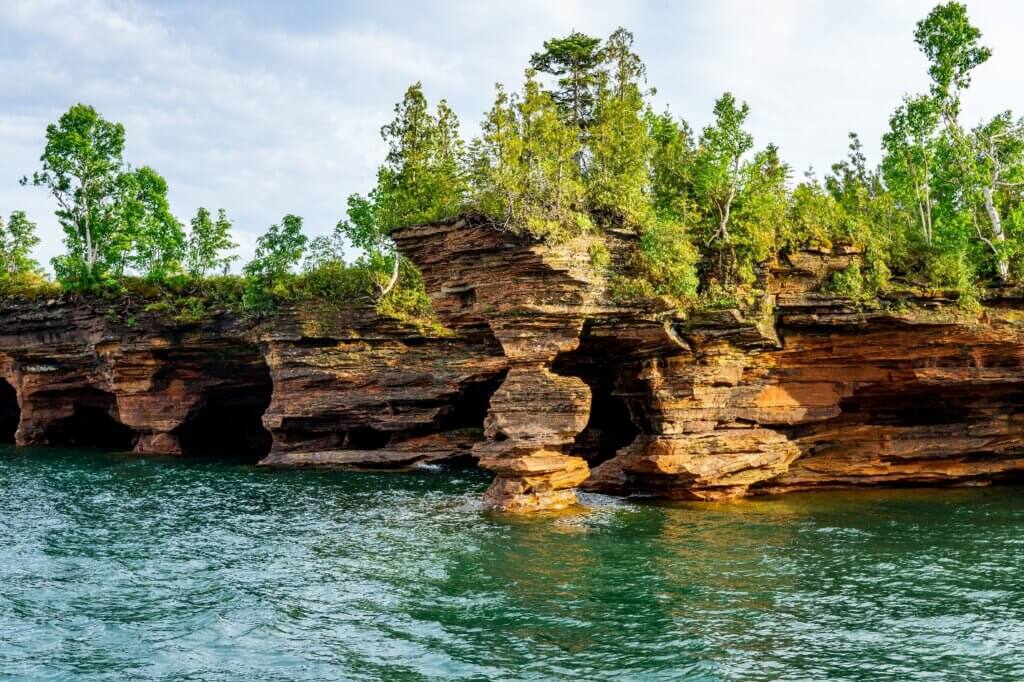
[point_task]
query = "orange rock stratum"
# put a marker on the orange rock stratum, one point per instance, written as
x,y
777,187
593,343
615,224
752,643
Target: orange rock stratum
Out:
x,y
544,378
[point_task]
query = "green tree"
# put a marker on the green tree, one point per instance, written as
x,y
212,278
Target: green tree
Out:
x,y
851,183
672,167
208,240
815,217
669,260
760,216
147,236
909,161
278,251
718,173
421,179
524,166
574,61
619,142
952,45
870,215
498,169
81,165
555,193
363,230
115,218
17,239
999,173
325,250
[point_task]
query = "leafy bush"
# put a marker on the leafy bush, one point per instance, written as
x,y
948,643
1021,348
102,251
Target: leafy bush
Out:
x,y
29,286
668,260
627,289
600,258
847,283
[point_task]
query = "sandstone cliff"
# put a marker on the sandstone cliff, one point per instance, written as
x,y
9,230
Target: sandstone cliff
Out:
x,y
544,378
305,388
802,391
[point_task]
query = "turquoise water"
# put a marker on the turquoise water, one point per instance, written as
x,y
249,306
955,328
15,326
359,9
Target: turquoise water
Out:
x,y
113,567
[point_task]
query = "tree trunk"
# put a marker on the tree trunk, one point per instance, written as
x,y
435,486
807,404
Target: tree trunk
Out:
x,y
89,258
998,236
394,279
723,226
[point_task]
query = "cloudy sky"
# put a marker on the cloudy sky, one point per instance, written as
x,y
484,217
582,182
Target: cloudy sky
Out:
x,y
267,108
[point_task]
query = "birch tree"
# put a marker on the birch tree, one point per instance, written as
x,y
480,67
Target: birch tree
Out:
x,y
953,48
908,165
999,173
719,167
81,164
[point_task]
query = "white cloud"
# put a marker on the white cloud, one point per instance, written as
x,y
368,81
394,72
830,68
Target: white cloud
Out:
x,y
266,110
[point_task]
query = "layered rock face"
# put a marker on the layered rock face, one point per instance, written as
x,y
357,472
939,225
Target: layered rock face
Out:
x,y
535,300
481,278
366,391
84,377
544,378
310,388
810,392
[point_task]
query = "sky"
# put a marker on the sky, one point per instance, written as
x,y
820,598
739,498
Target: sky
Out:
x,y
268,108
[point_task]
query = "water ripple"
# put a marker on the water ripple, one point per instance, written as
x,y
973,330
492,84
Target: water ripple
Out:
x,y
118,568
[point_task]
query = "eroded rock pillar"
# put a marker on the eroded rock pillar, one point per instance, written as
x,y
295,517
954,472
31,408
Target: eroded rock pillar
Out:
x,y
534,415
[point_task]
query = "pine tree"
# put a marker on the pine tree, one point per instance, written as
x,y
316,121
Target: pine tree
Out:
x,y
620,147
421,179
574,60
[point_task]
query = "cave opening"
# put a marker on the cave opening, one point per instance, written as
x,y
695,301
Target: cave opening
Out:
x,y
10,412
925,424
924,405
469,408
365,438
92,424
610,427
463,419
228,423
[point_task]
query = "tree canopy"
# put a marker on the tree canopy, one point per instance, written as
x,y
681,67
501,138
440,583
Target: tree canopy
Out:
x,y
575,150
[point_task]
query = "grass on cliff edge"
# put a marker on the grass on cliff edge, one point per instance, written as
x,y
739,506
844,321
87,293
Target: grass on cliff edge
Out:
x,y
332,287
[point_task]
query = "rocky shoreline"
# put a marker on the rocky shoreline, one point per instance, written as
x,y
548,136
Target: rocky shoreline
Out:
x,y
541,376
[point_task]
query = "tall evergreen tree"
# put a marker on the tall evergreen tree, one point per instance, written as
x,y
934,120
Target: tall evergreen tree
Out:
x,y
672,167
421,179
619,142
574,61
525,172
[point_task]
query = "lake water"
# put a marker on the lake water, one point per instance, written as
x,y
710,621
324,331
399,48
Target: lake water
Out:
x,y
114,567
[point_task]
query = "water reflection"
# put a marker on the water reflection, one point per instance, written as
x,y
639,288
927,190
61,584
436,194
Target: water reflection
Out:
x,y
118,567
